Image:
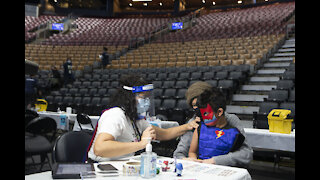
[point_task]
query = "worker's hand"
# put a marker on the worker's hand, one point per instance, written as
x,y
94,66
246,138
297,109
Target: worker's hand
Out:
x,y
194,123
208,161
147,134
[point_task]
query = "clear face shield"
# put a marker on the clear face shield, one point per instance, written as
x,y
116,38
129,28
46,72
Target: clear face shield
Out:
x,y
145,100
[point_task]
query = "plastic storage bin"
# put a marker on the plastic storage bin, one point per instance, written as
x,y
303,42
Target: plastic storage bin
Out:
x,y
41,105
278,121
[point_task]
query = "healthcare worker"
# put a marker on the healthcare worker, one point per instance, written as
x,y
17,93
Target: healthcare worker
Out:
x,y
122,129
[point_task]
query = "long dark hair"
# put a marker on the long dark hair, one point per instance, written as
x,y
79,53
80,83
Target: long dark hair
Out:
x,y
125,99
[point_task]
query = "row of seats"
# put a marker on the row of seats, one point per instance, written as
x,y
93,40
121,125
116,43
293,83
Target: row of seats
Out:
x,y
261,20
169,83
101,31
199,53
48,55
254,21
31,23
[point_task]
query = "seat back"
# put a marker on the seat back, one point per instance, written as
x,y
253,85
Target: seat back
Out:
x,y
42,126
84,119
71,147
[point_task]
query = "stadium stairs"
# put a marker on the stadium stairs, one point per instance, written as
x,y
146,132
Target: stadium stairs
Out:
x,y
251,94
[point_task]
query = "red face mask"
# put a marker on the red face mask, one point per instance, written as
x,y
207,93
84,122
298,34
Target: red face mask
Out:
x,y
208,116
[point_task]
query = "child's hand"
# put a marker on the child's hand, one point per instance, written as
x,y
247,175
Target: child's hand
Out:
x,y
192,159
208,161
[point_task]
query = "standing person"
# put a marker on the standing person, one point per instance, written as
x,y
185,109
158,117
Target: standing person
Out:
x,y
122,129
208,101
67,74
104,57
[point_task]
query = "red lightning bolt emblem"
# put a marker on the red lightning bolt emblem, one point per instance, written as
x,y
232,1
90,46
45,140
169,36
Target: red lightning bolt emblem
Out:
x,y
219,133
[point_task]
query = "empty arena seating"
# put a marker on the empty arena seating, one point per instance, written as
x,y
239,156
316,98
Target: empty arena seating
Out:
x,y
47,55
220,49
31,23
256,21
110,32
230,51
87,93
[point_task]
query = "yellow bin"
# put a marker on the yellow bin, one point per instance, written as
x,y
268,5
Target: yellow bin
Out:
x,y
278,121
41,105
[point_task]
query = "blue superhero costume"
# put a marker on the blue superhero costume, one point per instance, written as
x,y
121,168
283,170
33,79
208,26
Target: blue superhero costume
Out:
x,y
214,141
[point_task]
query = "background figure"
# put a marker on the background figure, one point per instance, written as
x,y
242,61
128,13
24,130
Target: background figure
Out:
x,y
30,91
67,74
104,57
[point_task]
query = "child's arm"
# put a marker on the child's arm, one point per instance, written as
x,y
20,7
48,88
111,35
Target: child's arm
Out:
x,y
194,145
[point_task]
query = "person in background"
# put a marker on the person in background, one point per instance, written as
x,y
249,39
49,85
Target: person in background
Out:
x,y
67,73
122,129
213,101
104,56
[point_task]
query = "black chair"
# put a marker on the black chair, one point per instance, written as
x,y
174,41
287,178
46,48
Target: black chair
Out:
x,y
289,75
221,75
182,84
98,108
168,93
213,83
285,84
29,115
195,76
227,87
292,95
260,119
157,84
173,76
71,147
277,95
167,107
180,93
180,112
39,135
183,76
168,84
85,119
208,76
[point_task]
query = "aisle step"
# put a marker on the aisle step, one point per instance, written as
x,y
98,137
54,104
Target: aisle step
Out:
x,y
248,97
276,59
287,50
271,71
284,54
289,45
241,109
276,65
257,87
264,79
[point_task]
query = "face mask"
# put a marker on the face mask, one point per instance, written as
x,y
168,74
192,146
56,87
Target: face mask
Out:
x,y
143,105
208,116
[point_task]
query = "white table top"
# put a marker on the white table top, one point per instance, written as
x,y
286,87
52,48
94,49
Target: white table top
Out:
x,y
262,138
191,170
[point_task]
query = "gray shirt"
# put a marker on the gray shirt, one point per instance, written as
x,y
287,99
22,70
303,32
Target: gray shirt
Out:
x,y
239,158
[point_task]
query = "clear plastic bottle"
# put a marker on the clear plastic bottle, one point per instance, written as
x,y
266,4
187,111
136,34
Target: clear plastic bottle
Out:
x,y
148,163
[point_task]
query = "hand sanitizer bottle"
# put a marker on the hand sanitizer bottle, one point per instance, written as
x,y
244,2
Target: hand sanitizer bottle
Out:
x,y
148,163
